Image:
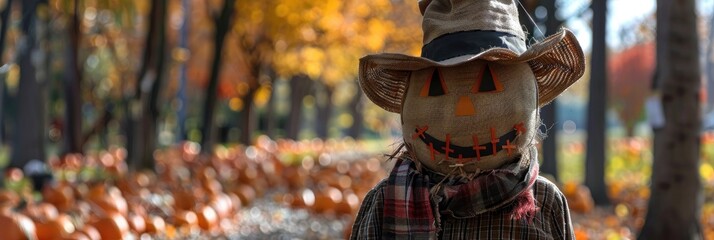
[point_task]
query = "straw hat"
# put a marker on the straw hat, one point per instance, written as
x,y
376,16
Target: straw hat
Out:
x,y
470,101
461,31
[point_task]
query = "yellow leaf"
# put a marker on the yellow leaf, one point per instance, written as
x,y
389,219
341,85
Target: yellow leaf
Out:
x,y
345,120
13,76
235,104
282,10
707,172
313,59
262,95
256,16
621,210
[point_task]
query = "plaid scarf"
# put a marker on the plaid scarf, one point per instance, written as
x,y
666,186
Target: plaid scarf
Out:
x,y
410,197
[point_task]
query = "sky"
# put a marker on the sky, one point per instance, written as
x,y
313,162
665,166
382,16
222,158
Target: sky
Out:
x,y
621,13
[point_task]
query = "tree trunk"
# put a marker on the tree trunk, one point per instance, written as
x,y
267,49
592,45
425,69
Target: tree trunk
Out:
x,y
222,23
270,110
4,17
99,127
293,123
675,206
550,154
151,114
183,78
72,88
248,117
29,143
132,103
144,109
323,110
299,87
356,108
549,112
597,102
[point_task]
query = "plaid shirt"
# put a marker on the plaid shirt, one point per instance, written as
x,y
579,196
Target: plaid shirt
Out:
x,y
393,211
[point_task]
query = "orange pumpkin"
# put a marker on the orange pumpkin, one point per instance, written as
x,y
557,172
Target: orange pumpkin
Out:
x,y
581,234
126,187
344,207
77,236
579,199
58,227
295,177
155,224
61,195
207,218
248,174
236,203
260,185
246,193
183,199
186,219
112,226
212,186
136,223
8,199
324,203
91,232
42,211
108,199
222,204
16,226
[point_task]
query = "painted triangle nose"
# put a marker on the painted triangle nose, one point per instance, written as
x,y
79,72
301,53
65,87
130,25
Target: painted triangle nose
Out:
x,y
464,107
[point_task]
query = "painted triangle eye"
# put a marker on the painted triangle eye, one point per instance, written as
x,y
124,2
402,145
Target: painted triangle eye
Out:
x,y
487,81
434,86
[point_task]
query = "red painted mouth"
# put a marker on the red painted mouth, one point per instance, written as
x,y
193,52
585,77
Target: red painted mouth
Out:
x,y
493,146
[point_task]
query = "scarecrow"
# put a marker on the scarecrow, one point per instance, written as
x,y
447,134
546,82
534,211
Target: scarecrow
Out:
x,y
468,167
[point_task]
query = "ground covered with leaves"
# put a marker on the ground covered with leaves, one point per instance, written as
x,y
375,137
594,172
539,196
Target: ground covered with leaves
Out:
x,y
278,189
627,176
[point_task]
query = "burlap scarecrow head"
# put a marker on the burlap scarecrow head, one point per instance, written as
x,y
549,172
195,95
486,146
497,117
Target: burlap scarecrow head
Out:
x,y
471,100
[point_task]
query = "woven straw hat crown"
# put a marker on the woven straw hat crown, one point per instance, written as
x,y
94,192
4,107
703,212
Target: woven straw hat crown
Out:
x,y
461,31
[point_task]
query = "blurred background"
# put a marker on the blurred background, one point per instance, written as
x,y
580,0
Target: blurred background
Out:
x,y
243,119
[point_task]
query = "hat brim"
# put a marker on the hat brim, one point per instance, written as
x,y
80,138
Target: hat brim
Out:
x,y
557,62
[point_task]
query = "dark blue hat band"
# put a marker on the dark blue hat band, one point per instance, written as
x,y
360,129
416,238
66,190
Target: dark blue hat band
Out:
x,y
470,43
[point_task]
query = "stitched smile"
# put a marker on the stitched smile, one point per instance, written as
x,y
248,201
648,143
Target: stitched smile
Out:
x,y
492,146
